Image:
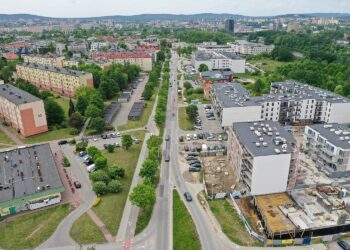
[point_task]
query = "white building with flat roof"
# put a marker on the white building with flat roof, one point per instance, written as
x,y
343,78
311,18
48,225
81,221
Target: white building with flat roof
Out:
x,y
244,47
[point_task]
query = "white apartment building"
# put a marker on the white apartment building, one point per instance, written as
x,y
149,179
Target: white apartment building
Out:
x,y
96,46
216,48
263,156
244,47
328,145
219,61
288,103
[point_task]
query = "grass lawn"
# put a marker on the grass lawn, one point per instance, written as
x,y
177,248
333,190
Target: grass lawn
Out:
x,y
184,231
85,231
5,140
54,134
184,122
230,223
30,230
143,219
142,122
110,210
267,65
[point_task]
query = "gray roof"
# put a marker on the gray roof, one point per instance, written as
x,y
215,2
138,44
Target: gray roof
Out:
x,y
27,171
217,74
336,134
54,69
110,111
16,95
266,134
205,56
136,110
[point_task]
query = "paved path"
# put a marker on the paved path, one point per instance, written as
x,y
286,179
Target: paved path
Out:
x,y
84,128
13,137
101,225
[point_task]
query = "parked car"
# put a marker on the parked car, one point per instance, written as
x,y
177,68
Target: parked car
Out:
x,y
104,136
194,162
193,169
211,118
91,168
195,137
200,136
77,184
167,137
181,139
196,165
89,162
344,245
82,153
94,138
191,158
117,144
192,154
62,142
188,196
188,137
198,127
186,148
118,134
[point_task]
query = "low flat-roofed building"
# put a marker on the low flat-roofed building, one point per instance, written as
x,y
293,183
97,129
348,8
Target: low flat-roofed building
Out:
x,y
29,179
136,111
22,111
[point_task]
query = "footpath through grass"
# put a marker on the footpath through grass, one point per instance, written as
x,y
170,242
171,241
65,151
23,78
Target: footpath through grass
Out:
x,y
185,236
184,123
231,224
85,231
30,230
111,208
5,140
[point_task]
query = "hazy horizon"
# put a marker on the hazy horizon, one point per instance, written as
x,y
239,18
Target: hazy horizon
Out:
x,y
93,8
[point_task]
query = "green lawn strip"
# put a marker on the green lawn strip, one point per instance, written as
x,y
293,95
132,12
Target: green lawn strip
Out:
x,y
184,122
143,219
85,231
110,210
5,140
267,65
185,236
231,224
30,230
142,122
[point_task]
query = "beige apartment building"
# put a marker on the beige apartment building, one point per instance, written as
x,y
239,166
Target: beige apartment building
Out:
x,y
60,80
49,60
143,60
22,111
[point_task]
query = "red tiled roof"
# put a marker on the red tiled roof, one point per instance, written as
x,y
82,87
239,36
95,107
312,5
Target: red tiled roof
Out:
x,y
10,56
119,55
145,48
17,45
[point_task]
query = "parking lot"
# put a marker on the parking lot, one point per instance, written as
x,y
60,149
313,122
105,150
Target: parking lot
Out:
x,y
208,124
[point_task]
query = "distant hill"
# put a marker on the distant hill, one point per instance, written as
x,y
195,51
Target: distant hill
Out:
x,y
149,17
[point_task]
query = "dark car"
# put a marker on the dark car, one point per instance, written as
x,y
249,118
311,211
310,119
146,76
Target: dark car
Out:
x,y
193,162
191,158
186,148
196,165
89,162
77,184
62,142
192,154
188,196
167,137
200,136
344,245
194,169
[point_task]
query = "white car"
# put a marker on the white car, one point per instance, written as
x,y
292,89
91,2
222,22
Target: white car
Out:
x,y
95,139
188,137
119,134
195,137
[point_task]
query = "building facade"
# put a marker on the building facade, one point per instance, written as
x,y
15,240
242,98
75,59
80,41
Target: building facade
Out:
x,y
143,60
230,26
263,156
22,111
49,60
244,47
60,80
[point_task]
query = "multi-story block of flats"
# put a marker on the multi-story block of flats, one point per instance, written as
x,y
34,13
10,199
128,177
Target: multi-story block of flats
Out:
x,y
49,60
22,111
60,80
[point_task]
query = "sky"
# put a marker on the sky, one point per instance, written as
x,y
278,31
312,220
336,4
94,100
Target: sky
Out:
x,y
91,8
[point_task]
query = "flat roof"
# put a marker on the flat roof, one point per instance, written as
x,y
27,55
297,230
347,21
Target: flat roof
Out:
x,y
336,134
16,95
275,220
137,109
27,171
204,55
264,138
110,111
54,69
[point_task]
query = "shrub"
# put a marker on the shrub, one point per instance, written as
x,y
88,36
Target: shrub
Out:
x,y
99,187
81,146
99,175
101,162
66,162
116,172
115,186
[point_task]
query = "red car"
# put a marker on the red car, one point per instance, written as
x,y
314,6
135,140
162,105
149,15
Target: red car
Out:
x,y
77,184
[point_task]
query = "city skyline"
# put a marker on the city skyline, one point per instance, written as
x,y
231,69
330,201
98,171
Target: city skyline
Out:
x,y
88,8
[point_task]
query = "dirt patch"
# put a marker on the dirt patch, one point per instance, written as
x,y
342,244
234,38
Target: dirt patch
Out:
x,y
249,212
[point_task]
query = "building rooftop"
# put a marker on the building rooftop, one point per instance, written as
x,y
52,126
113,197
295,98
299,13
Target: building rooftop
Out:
x,y
205,56
336,134
216,74
54,69
264,138
119,55
27,171
16,95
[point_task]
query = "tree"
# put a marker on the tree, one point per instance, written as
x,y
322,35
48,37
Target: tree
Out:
x,y
203,67
82,103
71,107
54,112
149,170
93,111
282,54
99,187
187,85
115,186
81,146
93,152
76,120
45,94
98,124
110,148
21,84
192,111
116,172
258,86
101,162
148,92
99,175
160,56
143,196
339,90
127,141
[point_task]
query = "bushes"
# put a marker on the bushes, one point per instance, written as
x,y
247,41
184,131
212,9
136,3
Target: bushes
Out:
x,y
66,162
99,175
99,187
81,146
163,97
115,186
116,172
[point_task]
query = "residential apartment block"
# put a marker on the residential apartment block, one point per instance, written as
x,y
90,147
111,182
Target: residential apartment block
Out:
x,y
49,60
263,156
22,111
219,61
289,102
29,179
244,47
143,60
328,146
59,80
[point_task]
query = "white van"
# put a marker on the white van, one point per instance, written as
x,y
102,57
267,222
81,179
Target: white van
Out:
x,y
91,168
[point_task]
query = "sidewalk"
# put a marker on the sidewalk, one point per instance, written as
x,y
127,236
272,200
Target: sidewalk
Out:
x,y
101,226
13,137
